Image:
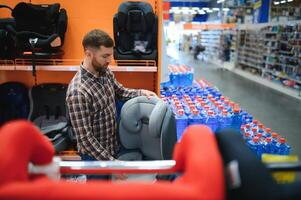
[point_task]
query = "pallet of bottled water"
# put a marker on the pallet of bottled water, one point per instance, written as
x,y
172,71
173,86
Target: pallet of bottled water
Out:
x,y
201,103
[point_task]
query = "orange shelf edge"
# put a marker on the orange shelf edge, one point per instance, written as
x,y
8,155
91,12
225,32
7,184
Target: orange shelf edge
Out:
x,y
75,68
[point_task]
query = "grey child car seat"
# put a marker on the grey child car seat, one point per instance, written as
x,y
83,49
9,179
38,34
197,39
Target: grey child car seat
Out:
x,y
147,129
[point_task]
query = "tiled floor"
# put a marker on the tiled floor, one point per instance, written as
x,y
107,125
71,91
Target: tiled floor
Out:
x,y
275,110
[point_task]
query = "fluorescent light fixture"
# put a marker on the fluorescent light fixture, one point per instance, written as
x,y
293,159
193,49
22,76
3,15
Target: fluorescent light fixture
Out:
x,y
220,1
290,0
276,2
215,9
206,8
209,11
283,1
226,9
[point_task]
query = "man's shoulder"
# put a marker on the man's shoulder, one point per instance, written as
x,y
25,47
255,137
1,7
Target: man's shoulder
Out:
x,y
109,73
77,85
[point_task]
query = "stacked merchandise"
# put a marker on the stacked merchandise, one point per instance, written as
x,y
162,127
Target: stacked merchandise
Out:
x,y
250,51
180,75
274,53
283,60
203,104
200,103
211,40
220,45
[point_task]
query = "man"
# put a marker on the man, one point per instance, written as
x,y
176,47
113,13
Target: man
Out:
x,y
91,99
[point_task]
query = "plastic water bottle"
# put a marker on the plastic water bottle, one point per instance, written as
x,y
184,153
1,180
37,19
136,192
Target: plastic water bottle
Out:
x,y
181,123
254,123
282,147
259,135
267,133
260,128
255,146
268,147
211,121
244,117
247,128
190,77
173,77
195,118
254,131
225,120
249,119
247,136
274,138
186,109
236,119
242,130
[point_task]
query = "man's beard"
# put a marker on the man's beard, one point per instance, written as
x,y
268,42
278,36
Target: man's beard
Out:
x,y
98,67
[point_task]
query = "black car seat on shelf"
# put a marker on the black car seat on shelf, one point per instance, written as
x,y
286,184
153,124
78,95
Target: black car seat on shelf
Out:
x,y
135,32
40,28
14,101
7,40
48,112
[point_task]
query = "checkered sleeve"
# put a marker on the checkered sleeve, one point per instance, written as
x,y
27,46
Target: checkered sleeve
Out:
x,y
80,116
121,91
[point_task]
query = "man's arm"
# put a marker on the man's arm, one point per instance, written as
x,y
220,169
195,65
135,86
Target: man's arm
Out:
x,y
78,107
127,93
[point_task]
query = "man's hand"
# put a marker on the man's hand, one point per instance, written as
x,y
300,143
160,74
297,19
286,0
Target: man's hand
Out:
x,y
121,177
148,93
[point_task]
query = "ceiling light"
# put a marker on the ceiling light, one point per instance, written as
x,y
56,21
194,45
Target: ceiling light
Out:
x,y
209,11
283,1
215,9
226,9
206,8
276,3
289,0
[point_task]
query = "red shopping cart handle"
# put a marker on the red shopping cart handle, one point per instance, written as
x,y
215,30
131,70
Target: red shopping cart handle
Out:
x,y
102,167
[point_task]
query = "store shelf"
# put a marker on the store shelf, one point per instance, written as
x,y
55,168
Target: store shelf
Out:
x,y
288,91
250,65
251,54
281,76
249,59
250,49
271,63
75,68
270,32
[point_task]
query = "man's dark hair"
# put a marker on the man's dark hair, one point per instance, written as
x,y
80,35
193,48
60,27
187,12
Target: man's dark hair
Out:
x,y
97,38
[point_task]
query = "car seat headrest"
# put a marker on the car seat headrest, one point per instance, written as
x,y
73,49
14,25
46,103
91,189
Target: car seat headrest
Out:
x,y
42,15
128,12
136,112
135,21
156,119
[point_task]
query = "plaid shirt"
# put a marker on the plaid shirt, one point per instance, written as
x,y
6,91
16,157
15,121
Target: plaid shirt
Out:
x,y
91,103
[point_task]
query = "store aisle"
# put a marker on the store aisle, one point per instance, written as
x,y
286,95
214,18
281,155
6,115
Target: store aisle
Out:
x,y
276,110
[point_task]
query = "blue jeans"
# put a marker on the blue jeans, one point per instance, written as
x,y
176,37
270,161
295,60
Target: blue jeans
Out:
x,y
86,157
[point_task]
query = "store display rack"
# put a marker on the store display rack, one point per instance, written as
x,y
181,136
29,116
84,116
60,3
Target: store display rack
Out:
x,y
215,42
272,52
